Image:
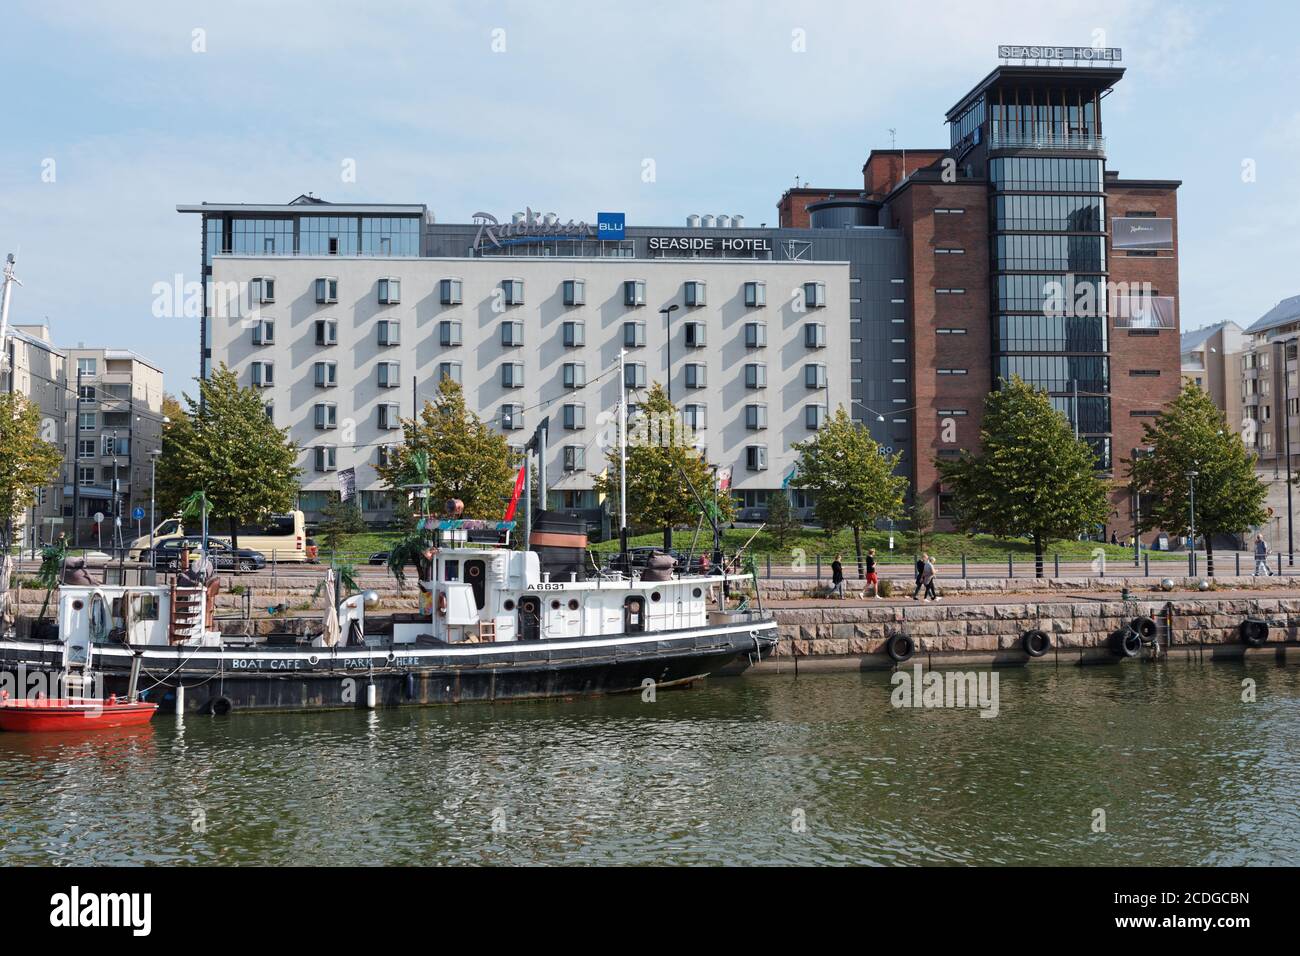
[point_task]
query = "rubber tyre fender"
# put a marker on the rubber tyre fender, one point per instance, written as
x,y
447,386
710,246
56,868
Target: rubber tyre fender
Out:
x,y
1254,632
900,648
1126,643
220,706
1036,643
1145,627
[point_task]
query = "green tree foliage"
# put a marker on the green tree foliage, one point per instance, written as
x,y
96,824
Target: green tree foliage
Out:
x,y
781,523
450,449
920,518
1032,478
171,485
29,461
1192,435
853,482
661,460
338,519
225,445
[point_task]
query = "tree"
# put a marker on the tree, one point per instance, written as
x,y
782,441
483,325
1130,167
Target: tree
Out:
x,y
461,457
663,465
781,523
852,480
1032,478
225,445
1191,434
921,517
172,485
338,519
29,462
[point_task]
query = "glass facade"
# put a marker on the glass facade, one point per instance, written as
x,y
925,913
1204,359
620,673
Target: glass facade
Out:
x,y
311,236
1048,259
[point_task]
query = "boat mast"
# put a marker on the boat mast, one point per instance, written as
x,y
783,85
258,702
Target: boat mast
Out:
x,y
622,458
9,280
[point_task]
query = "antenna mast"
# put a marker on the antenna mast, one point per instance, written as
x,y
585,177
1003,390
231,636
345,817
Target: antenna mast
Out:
x,y
9,280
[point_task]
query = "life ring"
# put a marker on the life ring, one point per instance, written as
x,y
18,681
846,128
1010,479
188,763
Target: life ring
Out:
x,y
1125,643
1254,632
220,706
1036,643
1145,627
900,648
442,603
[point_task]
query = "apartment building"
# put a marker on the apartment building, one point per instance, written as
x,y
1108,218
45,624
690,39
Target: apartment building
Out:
x,y
36,369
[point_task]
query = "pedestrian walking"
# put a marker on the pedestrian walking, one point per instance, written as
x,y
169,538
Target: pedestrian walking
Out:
x,y
1261,557
1114,537
925,579
837,577
873,579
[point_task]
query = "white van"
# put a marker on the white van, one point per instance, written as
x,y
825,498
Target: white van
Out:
x,y
277,537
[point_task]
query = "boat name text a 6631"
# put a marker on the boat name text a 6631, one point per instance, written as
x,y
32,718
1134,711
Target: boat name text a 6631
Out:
x,y
548,586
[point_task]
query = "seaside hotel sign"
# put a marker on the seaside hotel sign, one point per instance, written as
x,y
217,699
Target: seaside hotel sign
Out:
x,y
1106,54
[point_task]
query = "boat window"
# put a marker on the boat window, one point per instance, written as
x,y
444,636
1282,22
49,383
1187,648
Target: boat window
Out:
x,y
555,605
654,595
573,604
474,574
144,607
509,605
451,571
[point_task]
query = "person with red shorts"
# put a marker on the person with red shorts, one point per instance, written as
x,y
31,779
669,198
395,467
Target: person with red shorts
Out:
x,y
873,579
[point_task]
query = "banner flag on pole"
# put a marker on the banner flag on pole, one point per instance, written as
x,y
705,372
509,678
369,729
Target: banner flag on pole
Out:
x,y
519,490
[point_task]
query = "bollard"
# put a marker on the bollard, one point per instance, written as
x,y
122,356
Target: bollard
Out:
x,y
1146,564
1279,564
1237,555
819,569
1011,567
1191,564
769,564
963,564
1056,560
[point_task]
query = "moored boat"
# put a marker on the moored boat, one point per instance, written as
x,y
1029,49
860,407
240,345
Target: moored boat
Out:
x,y
43,715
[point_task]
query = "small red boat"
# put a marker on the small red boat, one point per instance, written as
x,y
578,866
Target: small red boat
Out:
x,y
56,714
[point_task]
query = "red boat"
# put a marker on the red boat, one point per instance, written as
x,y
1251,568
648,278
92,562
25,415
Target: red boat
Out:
x,y
55,714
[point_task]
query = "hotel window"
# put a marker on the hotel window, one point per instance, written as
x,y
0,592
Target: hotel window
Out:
x,y
86,475
390,374
450,292
695,416
327,290
814,376
389,332
327,332
450,371
574,374
327,415
390,291
264,332
756,457
512,417
574,417
512,375
574,335
755,335
512,334
512,291
633,335
695,335
814,335
262,290
755,417
755,295
86,394
87,366
814,416
263,374
86,448
756,375
389,416
695,375
695,294
814,295
449,333
634,292
575,458
634,376
575,292
326,458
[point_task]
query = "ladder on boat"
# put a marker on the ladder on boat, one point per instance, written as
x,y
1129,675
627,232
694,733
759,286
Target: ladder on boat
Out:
x,y
185,617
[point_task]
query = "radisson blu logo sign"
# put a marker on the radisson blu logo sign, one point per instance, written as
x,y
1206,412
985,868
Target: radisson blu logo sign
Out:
x,y
532,227
1111,54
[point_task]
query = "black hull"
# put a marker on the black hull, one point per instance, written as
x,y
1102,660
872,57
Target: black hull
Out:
x,y
533,672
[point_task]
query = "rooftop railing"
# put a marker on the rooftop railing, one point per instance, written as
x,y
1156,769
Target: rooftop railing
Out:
x,y
1000,139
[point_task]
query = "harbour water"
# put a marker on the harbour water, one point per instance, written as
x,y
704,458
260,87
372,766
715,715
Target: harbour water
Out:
x,y
753,769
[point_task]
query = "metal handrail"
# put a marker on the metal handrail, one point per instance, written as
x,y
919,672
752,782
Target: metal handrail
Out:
x,y
999,139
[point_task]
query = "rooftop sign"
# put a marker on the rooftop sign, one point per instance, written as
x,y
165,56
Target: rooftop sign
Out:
x,y
529,228
1109,54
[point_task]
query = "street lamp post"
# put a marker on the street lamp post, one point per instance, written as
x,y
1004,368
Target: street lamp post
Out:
x,y
1286,425
667,313
1191,480
153,481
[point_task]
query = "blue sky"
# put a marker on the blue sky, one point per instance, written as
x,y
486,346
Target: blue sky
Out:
x,y
562,119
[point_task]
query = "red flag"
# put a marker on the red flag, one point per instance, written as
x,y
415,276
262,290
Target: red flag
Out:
x,y
514,499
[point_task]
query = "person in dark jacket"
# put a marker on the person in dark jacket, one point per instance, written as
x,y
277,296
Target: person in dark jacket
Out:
x,y
837,577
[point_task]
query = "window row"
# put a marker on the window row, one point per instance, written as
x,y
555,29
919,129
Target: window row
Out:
x,y
1058,373
1050,213
1051,333
1046,174
1066,253
261,290
1052,294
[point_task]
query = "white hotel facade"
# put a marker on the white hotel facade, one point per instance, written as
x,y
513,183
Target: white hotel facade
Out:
x,y
330,311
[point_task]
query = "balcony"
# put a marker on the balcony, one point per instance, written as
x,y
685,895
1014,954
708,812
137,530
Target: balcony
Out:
x,y
999,139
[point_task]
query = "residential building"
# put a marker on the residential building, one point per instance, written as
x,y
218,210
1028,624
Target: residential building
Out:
x,y
36,369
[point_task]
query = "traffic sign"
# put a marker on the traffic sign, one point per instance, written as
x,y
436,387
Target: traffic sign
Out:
x,y
138,514
99,517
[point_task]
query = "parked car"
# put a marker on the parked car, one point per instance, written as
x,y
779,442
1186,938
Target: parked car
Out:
x,y
167,555
379,557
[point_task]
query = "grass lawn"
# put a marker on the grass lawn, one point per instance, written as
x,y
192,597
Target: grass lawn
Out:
x,y
942,547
